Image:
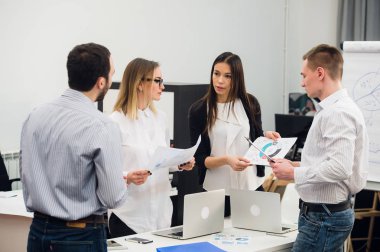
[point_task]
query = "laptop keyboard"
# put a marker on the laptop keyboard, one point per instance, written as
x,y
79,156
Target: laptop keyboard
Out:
x,y
177,233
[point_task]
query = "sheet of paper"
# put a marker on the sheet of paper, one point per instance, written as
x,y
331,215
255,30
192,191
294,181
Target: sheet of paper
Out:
x,y
273,149
232,239
8,194
168,157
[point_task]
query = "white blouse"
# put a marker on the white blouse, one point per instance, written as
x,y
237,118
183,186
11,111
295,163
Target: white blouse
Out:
x,y
227,137
148,206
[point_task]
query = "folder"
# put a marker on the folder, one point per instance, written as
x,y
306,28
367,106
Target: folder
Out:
x,y
192,247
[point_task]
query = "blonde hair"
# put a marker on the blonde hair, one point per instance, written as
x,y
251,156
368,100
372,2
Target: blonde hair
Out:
x,y
137,70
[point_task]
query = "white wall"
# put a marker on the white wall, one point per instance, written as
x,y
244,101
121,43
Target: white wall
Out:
x,y
184,36
310,22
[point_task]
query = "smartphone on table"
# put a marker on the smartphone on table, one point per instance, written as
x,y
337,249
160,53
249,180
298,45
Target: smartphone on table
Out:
x,y
139,240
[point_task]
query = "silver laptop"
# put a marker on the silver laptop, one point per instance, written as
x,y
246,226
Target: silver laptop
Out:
x,y
203,214
259,211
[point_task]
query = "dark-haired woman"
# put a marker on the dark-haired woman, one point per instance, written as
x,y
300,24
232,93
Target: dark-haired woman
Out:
x,y
224,117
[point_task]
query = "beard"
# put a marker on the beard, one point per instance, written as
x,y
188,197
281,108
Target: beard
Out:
x,y
102,94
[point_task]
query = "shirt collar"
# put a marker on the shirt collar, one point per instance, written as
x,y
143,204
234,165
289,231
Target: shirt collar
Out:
x,y
75,95
147,112
331,99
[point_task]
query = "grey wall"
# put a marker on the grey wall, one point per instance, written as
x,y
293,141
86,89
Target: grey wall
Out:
x,y
184,36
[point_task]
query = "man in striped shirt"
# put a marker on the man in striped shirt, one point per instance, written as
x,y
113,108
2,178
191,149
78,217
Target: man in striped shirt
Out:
x,y
71,159
334,160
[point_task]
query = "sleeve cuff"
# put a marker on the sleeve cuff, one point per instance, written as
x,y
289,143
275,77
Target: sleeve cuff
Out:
x,y
300,175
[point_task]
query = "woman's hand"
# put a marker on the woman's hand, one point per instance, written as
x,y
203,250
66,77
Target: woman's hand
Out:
x,y
188,165
238,163
272,135
137,177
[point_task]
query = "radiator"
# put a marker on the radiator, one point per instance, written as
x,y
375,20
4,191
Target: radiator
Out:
x,y
11,160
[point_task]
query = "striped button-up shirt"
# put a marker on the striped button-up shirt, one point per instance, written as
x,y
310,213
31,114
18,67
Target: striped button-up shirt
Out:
x,y
71,159
334,162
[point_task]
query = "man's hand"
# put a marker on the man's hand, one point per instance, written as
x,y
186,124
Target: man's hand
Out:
x,y
283,169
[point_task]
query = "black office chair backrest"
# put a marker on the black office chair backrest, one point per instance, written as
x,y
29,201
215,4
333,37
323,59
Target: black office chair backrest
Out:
x,y
5,184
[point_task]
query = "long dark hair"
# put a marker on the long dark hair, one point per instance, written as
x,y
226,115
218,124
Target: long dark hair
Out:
x,y
237,91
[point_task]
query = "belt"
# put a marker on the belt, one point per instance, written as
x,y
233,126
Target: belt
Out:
x,y
320,207
81,223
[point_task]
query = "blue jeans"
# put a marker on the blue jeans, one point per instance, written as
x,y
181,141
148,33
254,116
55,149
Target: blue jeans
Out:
x,y
323,231
53,236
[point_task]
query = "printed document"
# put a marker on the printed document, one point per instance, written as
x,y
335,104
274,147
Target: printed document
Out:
x,y
168,157
270,148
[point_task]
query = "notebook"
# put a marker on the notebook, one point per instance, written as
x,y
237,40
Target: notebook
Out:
x,y
203,214
259,211
192,247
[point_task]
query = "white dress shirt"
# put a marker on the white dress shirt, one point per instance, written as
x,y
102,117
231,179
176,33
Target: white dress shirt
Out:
x,y
334,162
148,206
227,137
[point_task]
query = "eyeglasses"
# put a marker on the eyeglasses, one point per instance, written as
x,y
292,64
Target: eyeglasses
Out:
x,y
158,81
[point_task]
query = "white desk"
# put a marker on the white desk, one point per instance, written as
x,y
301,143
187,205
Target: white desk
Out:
x,y
259,241
373,186
14,223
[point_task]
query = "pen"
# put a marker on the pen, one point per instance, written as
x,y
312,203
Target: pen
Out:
x,y
262,152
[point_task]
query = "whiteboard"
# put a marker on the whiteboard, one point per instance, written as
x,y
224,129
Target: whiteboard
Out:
x,y
361,77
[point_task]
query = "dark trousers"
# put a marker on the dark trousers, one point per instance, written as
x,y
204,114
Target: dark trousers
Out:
x,y
118,228
54,235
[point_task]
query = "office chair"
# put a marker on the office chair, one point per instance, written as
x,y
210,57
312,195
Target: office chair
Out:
x,y
372,213
5,182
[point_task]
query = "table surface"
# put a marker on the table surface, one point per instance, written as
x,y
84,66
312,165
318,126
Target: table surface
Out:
x,y
372,186
257,241
12,203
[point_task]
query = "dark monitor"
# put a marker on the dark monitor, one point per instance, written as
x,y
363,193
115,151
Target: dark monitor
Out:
x,y
293,126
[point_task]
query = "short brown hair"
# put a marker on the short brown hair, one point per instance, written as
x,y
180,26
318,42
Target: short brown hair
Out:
x,y
85,64
327,57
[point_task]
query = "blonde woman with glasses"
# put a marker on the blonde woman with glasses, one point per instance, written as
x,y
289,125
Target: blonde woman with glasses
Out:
x,y
148,206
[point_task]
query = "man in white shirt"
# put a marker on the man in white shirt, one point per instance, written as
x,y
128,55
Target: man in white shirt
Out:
x,y
334,159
